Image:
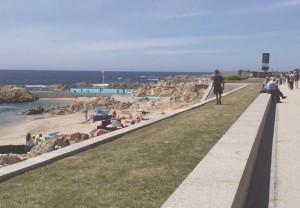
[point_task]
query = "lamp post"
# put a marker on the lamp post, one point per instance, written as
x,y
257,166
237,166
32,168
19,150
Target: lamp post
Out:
x,y
102,76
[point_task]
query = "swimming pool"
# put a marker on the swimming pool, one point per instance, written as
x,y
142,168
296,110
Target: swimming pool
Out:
x,y
102,90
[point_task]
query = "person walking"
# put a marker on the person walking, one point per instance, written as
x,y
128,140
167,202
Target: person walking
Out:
x,y
291,80
218,85
296,73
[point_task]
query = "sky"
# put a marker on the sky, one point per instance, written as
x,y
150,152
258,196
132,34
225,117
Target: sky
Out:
x,y
143,35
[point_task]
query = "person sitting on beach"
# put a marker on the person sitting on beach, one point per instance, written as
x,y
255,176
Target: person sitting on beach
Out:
x,y
138,120
29,143
114,114
37,139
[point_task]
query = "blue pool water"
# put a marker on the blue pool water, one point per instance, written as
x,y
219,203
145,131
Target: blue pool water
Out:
x,y
104,91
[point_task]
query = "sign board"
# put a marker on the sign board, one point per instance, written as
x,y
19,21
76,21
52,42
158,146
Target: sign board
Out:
x,y
265,58
265,68
265,61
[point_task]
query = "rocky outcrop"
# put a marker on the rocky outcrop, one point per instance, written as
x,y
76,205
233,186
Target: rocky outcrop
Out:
x,y
9,159
67,109
61,87
43,147
49,145
78,137
186,92
14,94
34,111
58,87
81,85
189,78
169,95
56,142
102,103
127,85
109,103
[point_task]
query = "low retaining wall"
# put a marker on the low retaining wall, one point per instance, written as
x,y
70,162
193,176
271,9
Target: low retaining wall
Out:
x,y
15,149
223,177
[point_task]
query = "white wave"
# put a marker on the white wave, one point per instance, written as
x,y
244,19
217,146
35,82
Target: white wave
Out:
x,y
36,86
100,85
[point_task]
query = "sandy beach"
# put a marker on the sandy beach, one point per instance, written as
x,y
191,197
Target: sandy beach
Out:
x,y
16,133
72,123
43,124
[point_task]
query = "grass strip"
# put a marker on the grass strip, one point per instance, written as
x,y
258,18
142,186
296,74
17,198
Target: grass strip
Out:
x,y
140,169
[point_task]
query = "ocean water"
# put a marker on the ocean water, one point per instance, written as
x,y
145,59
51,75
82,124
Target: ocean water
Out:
x,y
9,113
38,78
34,77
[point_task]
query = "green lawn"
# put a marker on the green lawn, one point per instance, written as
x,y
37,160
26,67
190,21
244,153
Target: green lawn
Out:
x,y
141,169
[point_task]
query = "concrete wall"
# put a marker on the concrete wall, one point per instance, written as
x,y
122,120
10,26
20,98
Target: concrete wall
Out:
x,y
223,177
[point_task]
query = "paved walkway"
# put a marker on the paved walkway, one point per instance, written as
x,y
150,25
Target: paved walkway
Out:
x,y
285,187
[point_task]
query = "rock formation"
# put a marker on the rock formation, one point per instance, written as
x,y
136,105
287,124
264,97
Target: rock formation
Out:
x,y
51,144
34,111
185,92
61,87
9,159
56,142
14,94
78,137
189,78
67,109
102,103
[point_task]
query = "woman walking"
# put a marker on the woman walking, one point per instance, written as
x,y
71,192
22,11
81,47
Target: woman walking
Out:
x,y
218,84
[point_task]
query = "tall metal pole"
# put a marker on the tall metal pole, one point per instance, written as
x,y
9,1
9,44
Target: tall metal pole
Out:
x,y
102,77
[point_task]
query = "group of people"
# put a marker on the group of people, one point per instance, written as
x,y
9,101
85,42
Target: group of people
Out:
x,y
31,141
292,78
269,85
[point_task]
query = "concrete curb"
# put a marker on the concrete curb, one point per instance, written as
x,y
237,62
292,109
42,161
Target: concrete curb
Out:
x,y
204,97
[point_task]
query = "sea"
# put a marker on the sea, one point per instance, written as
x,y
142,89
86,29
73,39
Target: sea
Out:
x,y
9,113
41,77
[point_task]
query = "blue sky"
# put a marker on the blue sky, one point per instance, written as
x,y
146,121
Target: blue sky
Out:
x,y
143,35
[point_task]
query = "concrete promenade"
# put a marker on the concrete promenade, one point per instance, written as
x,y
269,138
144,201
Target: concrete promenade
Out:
x,y
285,188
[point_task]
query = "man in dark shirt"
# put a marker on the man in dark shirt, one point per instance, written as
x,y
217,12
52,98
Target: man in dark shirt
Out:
x,y
218,85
